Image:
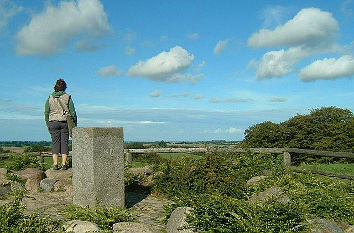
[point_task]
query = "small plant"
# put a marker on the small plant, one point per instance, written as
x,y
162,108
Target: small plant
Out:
x,y
14,178
104,217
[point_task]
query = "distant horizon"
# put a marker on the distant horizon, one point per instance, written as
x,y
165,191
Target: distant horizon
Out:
x,y
174,70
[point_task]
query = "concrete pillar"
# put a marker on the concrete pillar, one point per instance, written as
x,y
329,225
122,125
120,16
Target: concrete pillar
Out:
x,y
98,167
287,158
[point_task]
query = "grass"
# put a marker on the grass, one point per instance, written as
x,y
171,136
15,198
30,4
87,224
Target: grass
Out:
x,y
335,167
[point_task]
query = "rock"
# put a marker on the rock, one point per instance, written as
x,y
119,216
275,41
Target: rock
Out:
x,y
47,184
15,186
63,177
324,226
271,193
77,226
134,227
177,221
33,177
255,180
3,172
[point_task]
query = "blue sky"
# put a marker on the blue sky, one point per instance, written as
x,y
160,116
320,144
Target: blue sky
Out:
x,y
174,70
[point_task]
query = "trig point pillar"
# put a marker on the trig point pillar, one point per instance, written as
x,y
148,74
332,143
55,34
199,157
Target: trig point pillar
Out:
x,y
98,167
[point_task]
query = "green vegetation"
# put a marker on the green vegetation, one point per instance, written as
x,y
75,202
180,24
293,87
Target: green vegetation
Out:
x,y
134,145
336,167
327,128
4,151
21,162
104,217
216,188
37,148
12,219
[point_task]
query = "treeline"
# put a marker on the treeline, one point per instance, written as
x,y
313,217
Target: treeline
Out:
x,y
327,128
24,143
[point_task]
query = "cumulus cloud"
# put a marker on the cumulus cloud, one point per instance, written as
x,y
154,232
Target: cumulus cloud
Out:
x,y
278,99
165,66
278,63
221,46
193,36
272,15
229,100
52,30
109,71
129,51
185,78
310,27
8,9
329,68
86,46
155,93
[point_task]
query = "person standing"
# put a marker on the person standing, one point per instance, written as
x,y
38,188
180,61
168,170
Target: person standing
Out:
x,y
58,105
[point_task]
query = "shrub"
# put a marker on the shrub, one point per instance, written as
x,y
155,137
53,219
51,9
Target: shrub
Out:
x,y
104,217
216,189
20,162
37,148
134,145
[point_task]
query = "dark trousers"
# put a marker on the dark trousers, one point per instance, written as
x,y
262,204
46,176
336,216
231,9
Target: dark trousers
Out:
x,y
60,137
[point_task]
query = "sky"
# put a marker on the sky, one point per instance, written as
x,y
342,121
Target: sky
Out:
x,y
184,70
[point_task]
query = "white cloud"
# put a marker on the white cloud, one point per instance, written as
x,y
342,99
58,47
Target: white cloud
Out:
x,y
198,96
309,27
229,100
180,95
52,30
109,71
193,36
221,46
229,130
164,66
8,9
329,68
129,51
155,93
278,99
278,63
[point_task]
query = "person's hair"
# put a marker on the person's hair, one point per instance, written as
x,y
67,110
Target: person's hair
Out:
x,y
60,85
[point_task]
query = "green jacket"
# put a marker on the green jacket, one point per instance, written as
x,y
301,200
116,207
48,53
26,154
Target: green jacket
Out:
x,y
71,107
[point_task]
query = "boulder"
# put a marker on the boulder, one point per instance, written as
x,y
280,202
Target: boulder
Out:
x,y
255,180
134,227
177,222
47,184
33,177
271,193
77,226
324,226
63,178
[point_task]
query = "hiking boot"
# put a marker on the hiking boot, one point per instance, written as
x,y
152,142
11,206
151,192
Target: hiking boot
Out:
x,y
64,167
55,167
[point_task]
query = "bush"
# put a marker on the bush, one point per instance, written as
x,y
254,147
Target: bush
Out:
x,y
134,145
216,189
21,162
4,151
104,217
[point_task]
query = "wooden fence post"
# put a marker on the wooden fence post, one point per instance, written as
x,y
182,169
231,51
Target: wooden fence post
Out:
x,y
287,158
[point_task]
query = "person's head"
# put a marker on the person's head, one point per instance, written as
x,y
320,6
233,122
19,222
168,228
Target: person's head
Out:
x,y
60,85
